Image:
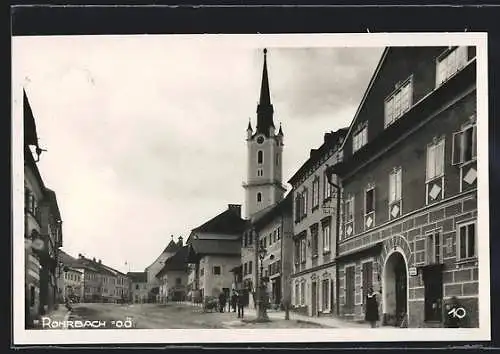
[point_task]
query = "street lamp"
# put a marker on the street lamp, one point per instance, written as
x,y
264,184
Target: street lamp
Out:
x,y
262,313
329,175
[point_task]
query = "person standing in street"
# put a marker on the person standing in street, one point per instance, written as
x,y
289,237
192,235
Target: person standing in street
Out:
x,y
222,301
371,308
234,298
240,303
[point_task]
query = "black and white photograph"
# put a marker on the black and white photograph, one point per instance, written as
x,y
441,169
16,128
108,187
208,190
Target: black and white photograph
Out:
x,y
277,188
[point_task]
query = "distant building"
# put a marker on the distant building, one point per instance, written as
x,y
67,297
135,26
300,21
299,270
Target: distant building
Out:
x,y
152,270
315,207
214,249
139,290
174,276
70,283
409,180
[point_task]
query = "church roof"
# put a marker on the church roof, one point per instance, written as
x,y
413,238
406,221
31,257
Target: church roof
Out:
x,y
265,109
171,247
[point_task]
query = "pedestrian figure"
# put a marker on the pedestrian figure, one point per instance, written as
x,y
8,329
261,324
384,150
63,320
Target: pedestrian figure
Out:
x,y
234,299
452,315
241,303
222,301
371,308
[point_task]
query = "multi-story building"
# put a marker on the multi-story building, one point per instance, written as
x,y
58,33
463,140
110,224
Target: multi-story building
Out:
x,y
263,187
154,284
139,290
71,278
409,184
215,249
270,226
174,276
314,198
42,231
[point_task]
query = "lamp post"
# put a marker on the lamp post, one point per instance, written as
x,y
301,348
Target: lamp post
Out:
x,y
329,175
262,311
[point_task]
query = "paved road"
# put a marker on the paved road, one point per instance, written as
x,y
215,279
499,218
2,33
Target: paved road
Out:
x,y
151,316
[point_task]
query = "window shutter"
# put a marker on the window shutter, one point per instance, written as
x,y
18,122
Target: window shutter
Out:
x,y
456,150
392,187
399,183
474,141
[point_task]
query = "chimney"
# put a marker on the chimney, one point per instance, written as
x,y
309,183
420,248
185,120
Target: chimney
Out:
x,y
100,261
235,208
180,241
93,259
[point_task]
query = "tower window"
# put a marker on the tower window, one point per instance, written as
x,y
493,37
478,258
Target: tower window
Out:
x,y
277,159
259,197
260,157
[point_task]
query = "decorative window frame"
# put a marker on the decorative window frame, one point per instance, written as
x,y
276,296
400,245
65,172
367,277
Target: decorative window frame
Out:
x,y
315,193
350,198
327,221
458,244
435,141
369,187
314,230
428,235
399,86
398,201
441,57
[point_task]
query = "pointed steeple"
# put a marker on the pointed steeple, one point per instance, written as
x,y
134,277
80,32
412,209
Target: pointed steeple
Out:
x,y
280,132
249,128
265,108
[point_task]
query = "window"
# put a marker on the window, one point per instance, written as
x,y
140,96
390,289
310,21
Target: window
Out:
x,y
315,193
259,197
314,240
274,236
297,252
245,269
360,139
260,157
303,250
278,236
298,206
395,185
398,102
264,240
250,267
270,239
448,63
327,188
464,145
435,160
467,241
326,237
303,293
260,172
216,270
325,294
277,159
433,247
297,294
304,202
349,209
178,281
369,200
202,272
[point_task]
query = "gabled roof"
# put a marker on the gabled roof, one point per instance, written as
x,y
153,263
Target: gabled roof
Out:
x,y
199,248
177,262
331,140
138,277
367,91
171,247
227,222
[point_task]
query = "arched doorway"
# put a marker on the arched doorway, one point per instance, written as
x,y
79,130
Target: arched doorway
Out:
x,y
395,290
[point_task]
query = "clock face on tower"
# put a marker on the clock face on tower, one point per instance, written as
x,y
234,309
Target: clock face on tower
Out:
x,y
260,139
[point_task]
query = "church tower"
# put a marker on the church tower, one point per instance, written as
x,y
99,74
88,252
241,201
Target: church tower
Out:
x,y
264,159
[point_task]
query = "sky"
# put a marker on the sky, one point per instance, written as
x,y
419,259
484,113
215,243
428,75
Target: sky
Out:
x,y
145,135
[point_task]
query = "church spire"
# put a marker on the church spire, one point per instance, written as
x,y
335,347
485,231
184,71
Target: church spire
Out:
x,y
265,108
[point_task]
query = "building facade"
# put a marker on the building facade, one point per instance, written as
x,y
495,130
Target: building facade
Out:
x,y
72,284
214,249
42,229
314,272
139,290
409,184
174,276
